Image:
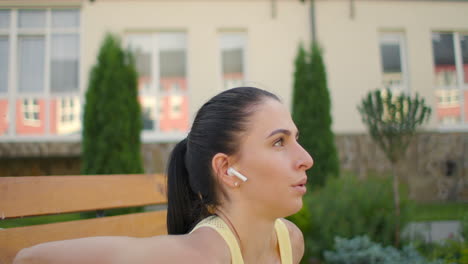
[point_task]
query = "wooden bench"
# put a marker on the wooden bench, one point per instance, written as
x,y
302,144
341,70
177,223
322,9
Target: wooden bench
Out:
x,y
46,195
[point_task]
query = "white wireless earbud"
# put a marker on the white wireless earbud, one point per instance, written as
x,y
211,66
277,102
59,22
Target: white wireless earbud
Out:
x,y
231,171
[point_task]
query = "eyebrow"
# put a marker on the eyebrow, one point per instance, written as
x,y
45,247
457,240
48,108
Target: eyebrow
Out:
x,y
282,131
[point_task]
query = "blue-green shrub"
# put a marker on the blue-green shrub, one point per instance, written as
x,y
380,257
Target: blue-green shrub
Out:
x,y
361,250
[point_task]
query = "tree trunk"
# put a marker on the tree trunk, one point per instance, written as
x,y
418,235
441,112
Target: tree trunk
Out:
x,y
396,200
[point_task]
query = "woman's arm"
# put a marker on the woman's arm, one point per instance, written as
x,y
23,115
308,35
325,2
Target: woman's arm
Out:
x,y
111,250
83,250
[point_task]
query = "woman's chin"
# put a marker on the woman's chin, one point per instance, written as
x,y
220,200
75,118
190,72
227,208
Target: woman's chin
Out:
x,y
295,207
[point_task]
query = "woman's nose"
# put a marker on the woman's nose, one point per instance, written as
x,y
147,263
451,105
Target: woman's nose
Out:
x,y
305,161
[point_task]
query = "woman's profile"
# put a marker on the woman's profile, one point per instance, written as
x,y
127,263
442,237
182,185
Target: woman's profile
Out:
x,y
231,182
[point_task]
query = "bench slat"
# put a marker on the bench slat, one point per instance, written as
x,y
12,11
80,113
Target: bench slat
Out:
x,y
135,225
29,196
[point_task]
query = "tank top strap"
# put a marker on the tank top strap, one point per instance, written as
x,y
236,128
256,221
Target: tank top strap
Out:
x,y
222,228
282,233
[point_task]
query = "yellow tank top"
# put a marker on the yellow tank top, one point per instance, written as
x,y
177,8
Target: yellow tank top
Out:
x,y
222,228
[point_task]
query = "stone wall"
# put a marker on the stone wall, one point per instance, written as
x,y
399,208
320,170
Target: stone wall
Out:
x,y
55,158
435,166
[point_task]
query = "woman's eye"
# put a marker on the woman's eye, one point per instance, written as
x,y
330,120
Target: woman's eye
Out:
x,y
279,142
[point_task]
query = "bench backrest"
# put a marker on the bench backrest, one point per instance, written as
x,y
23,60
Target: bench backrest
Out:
x,y
45,195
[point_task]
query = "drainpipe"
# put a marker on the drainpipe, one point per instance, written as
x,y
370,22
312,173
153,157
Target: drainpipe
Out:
x,y
312,21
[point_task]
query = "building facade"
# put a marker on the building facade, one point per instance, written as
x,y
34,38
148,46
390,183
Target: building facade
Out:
x,y
187,51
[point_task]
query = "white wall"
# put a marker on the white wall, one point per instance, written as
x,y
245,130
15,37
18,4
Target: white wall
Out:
x,y
271,42
352,53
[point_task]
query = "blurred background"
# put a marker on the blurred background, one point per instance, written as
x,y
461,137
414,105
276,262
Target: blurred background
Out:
x,y
186,51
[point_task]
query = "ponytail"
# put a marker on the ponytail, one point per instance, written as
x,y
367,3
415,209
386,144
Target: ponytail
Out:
x,y
183,205
192,192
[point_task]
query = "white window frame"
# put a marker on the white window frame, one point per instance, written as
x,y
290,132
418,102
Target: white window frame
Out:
x,y
221,33
461,86
13,95
400,39
29,109
154,90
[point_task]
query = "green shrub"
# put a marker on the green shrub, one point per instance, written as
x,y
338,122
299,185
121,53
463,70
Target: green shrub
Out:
x,y
450,251
464,227
112,116
348,207
311,112
361,250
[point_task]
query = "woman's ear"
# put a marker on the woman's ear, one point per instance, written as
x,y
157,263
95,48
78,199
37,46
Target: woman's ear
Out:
x,y
220,165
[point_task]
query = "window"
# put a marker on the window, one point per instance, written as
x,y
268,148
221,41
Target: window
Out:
x,y
233,51
162,76
4,44
67,116
176,105
31,111
450,51
44,46
393,60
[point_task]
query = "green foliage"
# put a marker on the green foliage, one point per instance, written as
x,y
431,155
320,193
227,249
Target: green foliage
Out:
x,y
450,251
360,250
348,207
464,226
392,120
311,113
439,211
38,220
112,116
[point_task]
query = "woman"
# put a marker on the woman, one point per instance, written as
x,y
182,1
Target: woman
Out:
x,y
230,182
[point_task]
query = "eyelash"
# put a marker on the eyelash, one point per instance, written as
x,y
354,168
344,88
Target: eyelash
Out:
x,y
281,139
277,141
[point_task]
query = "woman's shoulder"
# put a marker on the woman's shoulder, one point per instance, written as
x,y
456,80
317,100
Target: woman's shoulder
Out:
x,y
297,240
209,243
201,246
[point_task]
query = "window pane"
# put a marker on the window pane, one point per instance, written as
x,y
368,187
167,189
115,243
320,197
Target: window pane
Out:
x,y
30,116
4,18
65,18
64,63
4,45
172,56
31,18
444,59
31,64
232,56
448,106
390,53
173,84
464,49
65,115
142,49
149,112
3,116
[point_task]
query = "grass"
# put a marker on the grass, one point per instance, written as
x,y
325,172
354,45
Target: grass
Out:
x,y
37,220
429,211
47,219
439,211
436,211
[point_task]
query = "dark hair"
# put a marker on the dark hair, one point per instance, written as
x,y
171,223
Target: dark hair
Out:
x,y
216,128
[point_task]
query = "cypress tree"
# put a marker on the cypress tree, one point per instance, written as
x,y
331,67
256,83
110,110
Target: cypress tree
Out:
x,y
311,113
112,115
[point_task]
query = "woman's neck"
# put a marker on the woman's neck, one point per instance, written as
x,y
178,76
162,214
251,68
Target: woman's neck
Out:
x,y
256,235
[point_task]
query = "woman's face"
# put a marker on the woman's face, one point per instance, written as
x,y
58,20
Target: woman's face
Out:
x,y
273,161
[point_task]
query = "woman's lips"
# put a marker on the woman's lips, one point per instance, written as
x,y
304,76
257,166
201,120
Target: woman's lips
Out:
x,y
301,188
